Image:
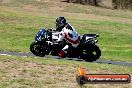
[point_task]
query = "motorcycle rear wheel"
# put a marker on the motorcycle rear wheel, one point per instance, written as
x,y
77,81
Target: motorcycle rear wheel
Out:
x,y
91,53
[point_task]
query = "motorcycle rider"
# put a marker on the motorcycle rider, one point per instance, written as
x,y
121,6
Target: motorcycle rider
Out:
x,y
67,33
60,23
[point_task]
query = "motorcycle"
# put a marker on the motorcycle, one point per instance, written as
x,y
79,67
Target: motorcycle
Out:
x,y
46,44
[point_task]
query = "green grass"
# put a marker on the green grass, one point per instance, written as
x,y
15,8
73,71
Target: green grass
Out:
x,y
19,26
18,30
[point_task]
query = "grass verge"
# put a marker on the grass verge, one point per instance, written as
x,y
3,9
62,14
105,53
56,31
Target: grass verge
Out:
x,y
31,72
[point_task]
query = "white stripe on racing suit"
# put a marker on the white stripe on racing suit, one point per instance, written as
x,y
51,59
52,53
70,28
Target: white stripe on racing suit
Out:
x,y
70,35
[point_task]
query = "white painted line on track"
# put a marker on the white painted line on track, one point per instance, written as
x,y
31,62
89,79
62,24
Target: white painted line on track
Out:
x,y
3,54
24,56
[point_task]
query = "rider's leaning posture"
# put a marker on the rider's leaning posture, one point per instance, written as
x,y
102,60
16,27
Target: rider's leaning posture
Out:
x,y
68,34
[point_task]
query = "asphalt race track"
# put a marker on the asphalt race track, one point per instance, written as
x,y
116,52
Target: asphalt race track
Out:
x,y
75,59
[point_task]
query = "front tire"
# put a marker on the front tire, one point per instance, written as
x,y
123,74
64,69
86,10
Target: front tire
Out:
x,y
38,49
91,53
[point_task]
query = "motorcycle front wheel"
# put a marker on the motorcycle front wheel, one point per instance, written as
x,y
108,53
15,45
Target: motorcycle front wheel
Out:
x,y
38,49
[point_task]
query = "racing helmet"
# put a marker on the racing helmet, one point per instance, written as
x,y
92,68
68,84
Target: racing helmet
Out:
x,y
60,21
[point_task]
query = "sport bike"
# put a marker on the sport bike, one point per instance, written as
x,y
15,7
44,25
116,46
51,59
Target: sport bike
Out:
x,y
46,44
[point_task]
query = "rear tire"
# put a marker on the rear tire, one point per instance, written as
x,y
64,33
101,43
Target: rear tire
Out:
x,y
91,53
38,49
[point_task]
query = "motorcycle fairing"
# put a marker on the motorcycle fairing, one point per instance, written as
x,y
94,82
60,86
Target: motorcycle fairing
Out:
x,y
40,35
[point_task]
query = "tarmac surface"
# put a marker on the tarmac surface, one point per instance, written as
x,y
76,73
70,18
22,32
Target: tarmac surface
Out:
x,y
75,59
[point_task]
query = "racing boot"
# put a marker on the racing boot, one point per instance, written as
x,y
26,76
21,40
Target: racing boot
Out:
x,y
62,54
